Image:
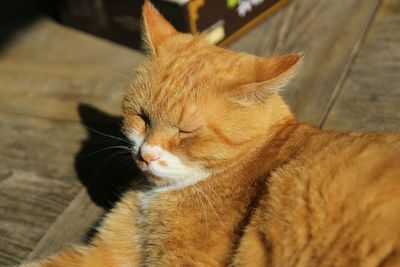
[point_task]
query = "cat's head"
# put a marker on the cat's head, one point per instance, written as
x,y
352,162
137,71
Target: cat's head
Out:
x,y
196,109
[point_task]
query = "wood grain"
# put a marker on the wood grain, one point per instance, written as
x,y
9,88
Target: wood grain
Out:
x,y
51,78
327,32
39,161
37,181
370,97
47,70
29,203
65,231
45,147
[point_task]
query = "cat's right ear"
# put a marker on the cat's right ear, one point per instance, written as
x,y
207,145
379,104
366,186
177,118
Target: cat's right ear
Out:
x,y
156,28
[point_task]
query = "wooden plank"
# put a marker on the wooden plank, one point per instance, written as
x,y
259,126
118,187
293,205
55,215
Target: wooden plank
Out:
x,y
28,205
45,147
70,155
370,97
47,72
48,69
38,181
55,148
42,147
71,227
327,32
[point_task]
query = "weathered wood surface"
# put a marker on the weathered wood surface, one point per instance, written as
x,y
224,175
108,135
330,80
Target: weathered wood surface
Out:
x,y
370,97
48,160
70,227
43,166
38,145
29,203
37,159
328,32
47,72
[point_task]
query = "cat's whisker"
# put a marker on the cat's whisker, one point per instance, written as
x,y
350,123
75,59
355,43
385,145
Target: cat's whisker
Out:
x,y
185,196
104,149
196,195
109,157
211,205
141,183
126,160
106,135
203,207
212,191
190,196
107,142
206,198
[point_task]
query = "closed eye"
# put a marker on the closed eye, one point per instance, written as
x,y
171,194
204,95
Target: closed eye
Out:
x,y
188,131
145,118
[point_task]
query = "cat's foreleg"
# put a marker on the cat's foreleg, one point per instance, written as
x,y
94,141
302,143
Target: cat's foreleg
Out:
x,y
113,246
90,256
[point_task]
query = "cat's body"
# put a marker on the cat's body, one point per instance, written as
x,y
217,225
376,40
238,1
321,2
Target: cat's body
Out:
x,y
296,204
241,182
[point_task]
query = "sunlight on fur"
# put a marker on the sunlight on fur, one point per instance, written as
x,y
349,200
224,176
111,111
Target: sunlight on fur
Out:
x,y
237,180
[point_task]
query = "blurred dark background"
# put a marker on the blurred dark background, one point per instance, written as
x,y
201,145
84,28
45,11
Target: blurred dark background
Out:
x,y
120,20
27,8
92,16
16,14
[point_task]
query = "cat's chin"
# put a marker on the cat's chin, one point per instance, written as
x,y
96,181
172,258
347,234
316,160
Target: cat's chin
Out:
x,y
171,183
163,182
158,181
179,177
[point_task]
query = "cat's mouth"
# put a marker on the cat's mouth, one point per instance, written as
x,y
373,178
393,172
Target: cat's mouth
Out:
x,y
153,172
166,173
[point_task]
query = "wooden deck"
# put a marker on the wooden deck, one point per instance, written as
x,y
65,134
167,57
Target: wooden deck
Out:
x,y
57,178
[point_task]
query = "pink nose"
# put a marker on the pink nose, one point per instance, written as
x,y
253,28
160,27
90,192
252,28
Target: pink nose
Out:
x,y
148,156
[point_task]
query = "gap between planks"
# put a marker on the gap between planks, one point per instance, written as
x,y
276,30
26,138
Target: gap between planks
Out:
x,y
65,230
347,68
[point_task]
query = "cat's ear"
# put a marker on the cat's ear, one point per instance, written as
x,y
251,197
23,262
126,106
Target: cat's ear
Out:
x,y
156,28
270,76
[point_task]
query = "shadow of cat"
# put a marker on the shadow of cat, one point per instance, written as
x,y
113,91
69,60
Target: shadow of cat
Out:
x,y
104,164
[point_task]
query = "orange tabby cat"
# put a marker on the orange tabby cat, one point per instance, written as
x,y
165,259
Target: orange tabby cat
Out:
x,y
239,182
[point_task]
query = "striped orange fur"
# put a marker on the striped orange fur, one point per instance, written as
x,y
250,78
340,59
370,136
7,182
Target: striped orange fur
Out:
x,y
268,190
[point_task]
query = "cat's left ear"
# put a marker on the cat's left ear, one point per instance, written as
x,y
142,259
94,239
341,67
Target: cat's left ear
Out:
x,y
270,76
156,28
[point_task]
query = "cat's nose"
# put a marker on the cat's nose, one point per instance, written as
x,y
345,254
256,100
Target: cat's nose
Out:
x,y
149,154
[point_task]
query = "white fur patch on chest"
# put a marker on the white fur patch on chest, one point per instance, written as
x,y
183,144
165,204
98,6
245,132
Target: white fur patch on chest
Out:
x,y
145,204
